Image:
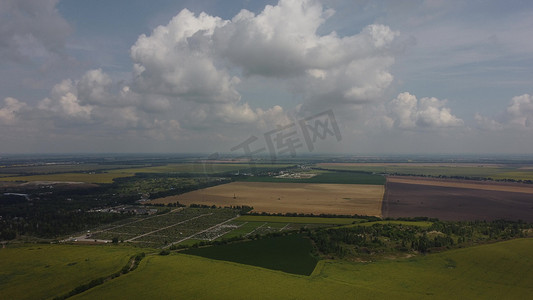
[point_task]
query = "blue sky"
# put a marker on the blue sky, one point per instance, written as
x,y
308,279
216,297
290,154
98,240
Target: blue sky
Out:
x,y
420,76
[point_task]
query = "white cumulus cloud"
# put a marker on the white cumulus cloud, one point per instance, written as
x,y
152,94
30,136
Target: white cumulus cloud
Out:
x,y
408,112
520,111
203,59
517,115
9,111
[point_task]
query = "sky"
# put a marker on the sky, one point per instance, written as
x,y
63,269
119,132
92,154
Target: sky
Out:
x,y
266,77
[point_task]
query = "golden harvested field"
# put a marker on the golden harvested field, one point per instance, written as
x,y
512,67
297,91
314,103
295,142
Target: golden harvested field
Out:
x,y
479,185
306,198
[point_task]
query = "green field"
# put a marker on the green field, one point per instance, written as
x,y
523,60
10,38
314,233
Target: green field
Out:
x,y
517,175
495,271
108,176
298,220
325,177
290,253
482,171
44,271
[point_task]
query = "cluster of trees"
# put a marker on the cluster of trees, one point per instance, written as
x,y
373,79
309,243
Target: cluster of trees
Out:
x,y
52,212
243,209
49,213
390,238
367,218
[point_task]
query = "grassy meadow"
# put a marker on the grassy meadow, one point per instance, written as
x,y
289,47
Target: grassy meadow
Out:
x,y
45,271
498,271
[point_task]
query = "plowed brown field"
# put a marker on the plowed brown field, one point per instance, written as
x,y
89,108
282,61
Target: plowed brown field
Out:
x,y
462,201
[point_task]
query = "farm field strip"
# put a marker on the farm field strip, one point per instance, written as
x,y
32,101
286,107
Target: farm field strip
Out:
x,y
323,176
201,168
289,197
71,177
165,228
256,229
246,228
111,173
299,220
243,229
216,232
285,227
198,233
455,204
161,229
415,164
405,223
491,186
123,223
62,168
494,171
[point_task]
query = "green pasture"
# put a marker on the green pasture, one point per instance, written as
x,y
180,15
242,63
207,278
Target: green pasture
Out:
x,y
516,175
495,271
45,271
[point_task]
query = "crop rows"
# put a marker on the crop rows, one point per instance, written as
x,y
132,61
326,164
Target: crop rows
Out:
x,y
167,228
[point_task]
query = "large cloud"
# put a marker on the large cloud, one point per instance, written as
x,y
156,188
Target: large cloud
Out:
x,y
10,110
408,112
203,59
187,74
520,111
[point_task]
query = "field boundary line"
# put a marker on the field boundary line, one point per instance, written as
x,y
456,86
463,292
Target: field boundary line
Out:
x,y
287,225
196,233
132,222
148,233
255,229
